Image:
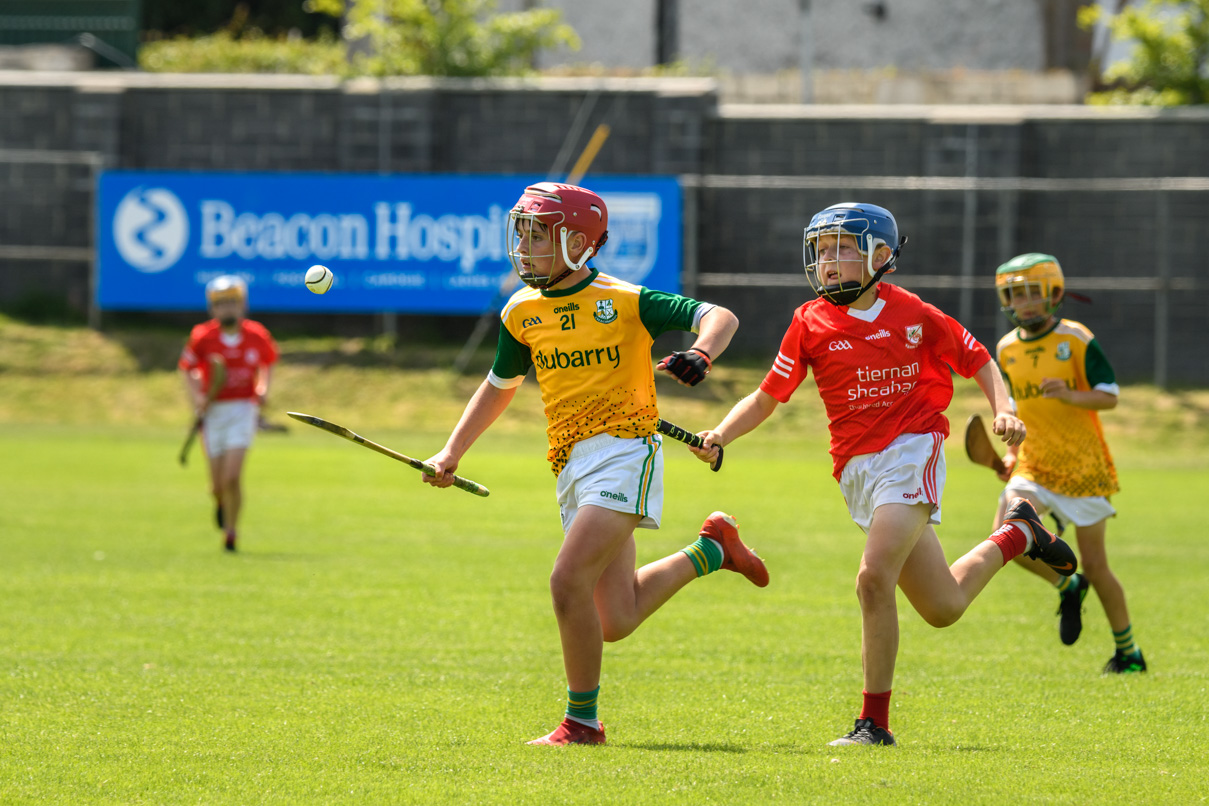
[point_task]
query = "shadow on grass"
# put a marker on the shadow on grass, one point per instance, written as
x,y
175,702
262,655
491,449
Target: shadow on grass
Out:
x,y
694,747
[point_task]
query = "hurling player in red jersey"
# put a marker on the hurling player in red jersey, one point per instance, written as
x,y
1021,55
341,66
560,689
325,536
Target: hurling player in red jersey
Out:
x,y
247,352
882,360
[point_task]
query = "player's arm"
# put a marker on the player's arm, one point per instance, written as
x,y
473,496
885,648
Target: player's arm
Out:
x,y
717,328
191,377
1104,391
1093,399
714,331
1006,425
746,416
484,408
512,361
263,379
1011,455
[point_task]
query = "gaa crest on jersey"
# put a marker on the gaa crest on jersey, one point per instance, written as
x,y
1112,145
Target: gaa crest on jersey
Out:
x,y
604,311
252,355
915,334
1063,351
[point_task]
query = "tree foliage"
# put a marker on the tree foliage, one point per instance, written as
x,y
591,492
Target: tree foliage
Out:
x,y
380,38
445,37
1170,63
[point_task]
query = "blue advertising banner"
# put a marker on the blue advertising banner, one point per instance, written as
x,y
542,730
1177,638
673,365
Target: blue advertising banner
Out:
x,y
406,243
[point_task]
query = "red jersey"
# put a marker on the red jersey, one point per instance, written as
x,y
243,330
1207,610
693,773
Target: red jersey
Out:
x,y
244,353
881,373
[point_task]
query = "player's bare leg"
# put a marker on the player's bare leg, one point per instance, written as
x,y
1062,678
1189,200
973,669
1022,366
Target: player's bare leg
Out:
x,y
940,593
228,472
626,597
1071,592
1093,561
893,535
595,540
902,548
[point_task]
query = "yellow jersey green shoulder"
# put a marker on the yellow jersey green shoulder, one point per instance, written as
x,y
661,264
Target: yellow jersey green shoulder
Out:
x,y
590,346
1065,450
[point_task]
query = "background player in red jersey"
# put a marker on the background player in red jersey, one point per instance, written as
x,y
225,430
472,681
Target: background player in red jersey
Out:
x,y
230,415
1059,379
882,360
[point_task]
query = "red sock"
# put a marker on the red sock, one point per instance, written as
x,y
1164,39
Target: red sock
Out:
x,y
1011,540
877,708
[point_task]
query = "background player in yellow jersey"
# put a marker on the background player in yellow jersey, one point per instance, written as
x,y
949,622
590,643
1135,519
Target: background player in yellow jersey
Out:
x,y
1059,378
589,337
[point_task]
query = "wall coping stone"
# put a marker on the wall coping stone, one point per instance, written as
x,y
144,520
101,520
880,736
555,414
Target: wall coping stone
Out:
x,y
960,113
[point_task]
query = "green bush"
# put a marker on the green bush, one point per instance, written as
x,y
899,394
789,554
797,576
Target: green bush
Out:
x,y
389,37
249,52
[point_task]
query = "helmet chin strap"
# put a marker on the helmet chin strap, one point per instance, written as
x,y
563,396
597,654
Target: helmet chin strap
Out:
x,y
583,260
572,266
848,293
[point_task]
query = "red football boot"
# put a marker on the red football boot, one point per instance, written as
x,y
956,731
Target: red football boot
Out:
x,y
737,557
572,732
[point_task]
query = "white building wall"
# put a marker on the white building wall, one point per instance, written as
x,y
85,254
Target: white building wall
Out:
x,y
764,36
614,33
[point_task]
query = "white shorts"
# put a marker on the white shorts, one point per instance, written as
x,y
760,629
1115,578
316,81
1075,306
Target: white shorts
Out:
x,y
625,475
1083,511
910,470
229,425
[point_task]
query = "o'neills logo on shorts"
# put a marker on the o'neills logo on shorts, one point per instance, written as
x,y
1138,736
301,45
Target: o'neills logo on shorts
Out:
x,y
572,359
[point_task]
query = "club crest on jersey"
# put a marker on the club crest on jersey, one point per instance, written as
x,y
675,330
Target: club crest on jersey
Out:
x,y
915,334
604,311
1063,351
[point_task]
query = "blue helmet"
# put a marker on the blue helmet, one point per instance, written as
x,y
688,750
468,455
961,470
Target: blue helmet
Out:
x,y
872,226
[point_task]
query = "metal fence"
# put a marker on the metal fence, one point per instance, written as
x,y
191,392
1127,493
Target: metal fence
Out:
x,y
1130,244
110,28
1134,245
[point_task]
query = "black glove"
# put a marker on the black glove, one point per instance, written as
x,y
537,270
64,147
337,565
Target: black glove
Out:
x,y
690,366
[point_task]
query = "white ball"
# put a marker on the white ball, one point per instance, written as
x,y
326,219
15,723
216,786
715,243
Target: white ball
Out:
x,y
319,279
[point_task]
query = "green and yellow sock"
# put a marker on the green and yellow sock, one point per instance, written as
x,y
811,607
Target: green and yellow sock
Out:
x,y
581,706
1066,583
1125,643
706,555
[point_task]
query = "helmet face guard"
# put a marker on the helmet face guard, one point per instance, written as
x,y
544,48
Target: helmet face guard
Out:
x,y
873,227
556,211
1027,280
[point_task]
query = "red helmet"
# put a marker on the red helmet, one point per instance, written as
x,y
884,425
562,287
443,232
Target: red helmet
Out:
x,y
563,209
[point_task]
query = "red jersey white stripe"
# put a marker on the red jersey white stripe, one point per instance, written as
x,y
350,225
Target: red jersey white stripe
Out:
x,y
244,354
881,373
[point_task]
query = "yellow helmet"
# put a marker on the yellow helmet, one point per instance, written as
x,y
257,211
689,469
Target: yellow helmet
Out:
x,y
1035,276
226,287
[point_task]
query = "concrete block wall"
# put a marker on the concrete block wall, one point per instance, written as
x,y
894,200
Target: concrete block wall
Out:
x,y
664,126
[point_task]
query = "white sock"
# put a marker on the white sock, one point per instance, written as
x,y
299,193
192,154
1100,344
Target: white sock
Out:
x,y
1028,534
591,723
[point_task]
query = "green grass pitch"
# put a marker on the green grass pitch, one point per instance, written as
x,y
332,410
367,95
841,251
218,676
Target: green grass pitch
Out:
x,y
378,641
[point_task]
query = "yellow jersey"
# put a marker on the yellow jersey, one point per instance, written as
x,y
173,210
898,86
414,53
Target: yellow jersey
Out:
x,y
591,347
1064,451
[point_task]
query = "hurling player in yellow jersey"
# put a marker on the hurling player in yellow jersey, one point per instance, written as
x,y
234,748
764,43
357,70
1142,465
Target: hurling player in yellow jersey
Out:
x,y
1059,378
589,338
